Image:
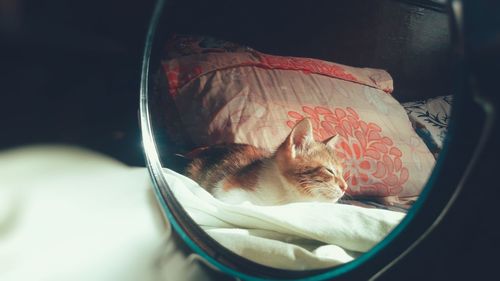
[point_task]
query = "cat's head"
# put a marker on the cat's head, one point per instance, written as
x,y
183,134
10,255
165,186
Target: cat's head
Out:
x,y
309,166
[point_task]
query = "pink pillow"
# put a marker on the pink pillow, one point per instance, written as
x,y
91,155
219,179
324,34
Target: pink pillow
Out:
x,y
255,98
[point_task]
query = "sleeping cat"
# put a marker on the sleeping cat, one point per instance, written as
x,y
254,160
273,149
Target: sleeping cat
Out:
x,y
301,169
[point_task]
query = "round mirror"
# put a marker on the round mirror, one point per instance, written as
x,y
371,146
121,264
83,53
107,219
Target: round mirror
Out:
x,y
300,139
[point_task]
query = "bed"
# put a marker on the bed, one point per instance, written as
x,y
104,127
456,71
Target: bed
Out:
x,y
211,91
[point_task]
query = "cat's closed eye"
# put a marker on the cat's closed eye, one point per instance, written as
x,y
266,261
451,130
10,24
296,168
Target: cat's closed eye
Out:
x,y
330,171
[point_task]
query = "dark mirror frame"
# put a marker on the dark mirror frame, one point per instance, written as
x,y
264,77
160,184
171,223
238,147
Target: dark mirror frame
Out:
x,y
464,142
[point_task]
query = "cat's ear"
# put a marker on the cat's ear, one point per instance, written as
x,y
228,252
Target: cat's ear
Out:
x,y
331,141
300,136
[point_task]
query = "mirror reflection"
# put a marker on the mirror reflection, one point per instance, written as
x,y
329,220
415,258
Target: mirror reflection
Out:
x,y
293,162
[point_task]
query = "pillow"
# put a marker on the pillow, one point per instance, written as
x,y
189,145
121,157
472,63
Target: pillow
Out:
x,y
430,120
256,98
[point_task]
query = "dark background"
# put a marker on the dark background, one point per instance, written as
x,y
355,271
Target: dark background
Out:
x,y
70,72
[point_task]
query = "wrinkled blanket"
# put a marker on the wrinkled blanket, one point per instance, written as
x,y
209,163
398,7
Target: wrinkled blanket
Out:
x,y
68,213
306,235
72,214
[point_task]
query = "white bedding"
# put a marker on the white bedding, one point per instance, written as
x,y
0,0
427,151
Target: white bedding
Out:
x,y
294,236
68,213
72,214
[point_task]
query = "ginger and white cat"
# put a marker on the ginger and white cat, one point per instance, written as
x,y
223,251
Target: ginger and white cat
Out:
x,y
301,169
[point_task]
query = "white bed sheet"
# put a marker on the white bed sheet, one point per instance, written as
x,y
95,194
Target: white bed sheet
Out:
x,y
68,213
296,236
71,214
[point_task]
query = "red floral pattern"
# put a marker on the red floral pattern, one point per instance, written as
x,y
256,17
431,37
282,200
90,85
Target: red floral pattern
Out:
x,y
372,163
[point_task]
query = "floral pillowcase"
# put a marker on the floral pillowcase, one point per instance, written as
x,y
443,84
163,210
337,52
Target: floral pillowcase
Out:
x,y
430,120
255,98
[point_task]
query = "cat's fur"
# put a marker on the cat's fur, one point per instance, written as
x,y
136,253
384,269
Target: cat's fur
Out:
x,y
301,169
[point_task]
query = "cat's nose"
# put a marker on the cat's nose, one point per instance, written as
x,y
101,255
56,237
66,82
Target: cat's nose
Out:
x,y
342,184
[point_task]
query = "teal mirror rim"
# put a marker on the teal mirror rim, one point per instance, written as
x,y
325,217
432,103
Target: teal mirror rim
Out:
x,y
159,182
